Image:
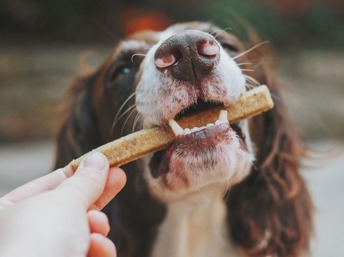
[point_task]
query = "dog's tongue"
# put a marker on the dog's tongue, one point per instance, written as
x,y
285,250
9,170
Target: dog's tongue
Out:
x,y
179,131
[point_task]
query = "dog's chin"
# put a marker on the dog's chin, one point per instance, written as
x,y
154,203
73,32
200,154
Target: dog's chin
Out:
x,y
214,157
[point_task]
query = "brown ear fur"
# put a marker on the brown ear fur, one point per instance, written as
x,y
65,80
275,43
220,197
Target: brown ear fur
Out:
x,y
78,133
270,212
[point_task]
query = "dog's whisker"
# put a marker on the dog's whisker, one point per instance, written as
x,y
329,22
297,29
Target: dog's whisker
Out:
x,y
248,70
138,54
249,86
244,63
136,120
127,119
217,33
228,187
251,80
275,97
124,113
121,108
250,49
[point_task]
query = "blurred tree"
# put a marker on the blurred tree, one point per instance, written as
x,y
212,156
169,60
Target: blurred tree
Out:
x,y
311,23
291,7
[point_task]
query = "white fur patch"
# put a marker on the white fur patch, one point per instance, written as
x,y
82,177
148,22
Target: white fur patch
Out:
x,y
195,227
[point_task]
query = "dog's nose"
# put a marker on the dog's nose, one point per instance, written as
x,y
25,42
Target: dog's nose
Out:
x,y
189,55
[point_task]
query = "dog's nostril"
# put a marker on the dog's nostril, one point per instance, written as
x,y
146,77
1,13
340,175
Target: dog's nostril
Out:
x,y
208,48
165,61
188,56
168,59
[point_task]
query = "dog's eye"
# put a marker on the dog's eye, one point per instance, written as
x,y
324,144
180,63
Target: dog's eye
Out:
x,y
125,70
120,72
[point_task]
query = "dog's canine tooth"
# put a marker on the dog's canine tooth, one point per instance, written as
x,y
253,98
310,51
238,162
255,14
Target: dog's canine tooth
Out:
x,y
177,130
223,116
218,122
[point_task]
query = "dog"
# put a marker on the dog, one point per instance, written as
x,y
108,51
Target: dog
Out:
x,y
220,190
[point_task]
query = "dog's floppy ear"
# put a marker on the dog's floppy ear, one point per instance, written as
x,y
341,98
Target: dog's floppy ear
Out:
x,y
270,212
78,133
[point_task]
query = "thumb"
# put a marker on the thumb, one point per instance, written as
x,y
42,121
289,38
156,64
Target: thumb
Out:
x,y
88,182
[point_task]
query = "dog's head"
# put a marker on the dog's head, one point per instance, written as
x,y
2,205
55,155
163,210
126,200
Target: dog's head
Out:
x,y
184,71
153,78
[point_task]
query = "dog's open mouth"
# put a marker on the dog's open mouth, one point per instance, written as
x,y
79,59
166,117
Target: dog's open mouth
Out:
x,y
197,146
199,106
205,132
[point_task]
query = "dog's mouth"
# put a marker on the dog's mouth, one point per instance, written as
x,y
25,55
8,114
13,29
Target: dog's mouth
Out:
x,y
197,107
196,146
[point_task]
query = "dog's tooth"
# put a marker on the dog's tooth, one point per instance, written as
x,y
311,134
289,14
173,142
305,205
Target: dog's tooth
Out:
x,y
178,130
195,129
218,122
210,125
187,131
223,116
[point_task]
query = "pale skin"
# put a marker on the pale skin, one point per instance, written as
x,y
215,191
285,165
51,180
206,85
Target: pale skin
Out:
x,y
59,214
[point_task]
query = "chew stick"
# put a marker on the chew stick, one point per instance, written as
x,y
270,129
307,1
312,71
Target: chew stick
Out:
x,y
143,142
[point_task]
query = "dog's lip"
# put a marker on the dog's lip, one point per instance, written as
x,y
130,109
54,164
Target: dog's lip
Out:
x,y
195,143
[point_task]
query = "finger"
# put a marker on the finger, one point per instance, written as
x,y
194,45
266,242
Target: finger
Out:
x,y
115,182
5,203
101,246
88,182
37,186
98,222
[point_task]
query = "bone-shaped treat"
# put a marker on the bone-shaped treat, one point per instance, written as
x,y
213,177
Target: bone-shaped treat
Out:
x,y
143,142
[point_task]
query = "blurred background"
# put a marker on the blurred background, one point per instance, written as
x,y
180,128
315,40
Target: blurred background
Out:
x,y
42,43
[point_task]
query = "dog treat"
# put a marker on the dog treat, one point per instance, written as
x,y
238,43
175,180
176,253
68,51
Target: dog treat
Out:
x,y
143,142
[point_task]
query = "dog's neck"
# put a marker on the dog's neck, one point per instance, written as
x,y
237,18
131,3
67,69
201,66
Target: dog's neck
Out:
x,y
195,226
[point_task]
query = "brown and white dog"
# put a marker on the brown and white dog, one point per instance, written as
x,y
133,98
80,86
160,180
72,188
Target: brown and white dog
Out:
x,y
220,190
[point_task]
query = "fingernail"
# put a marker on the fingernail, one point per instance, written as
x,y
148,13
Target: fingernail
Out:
x,y
95,160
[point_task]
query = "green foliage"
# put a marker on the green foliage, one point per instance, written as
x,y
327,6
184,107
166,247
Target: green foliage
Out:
x,y
320,26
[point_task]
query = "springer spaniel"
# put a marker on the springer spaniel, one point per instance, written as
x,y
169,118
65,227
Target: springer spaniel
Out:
x,y
223,190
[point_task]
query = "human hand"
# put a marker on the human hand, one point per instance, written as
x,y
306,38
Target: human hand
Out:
x,y
59,214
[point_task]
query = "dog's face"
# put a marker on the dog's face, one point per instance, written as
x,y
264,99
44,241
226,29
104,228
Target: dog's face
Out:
x,y
175,73
154,78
